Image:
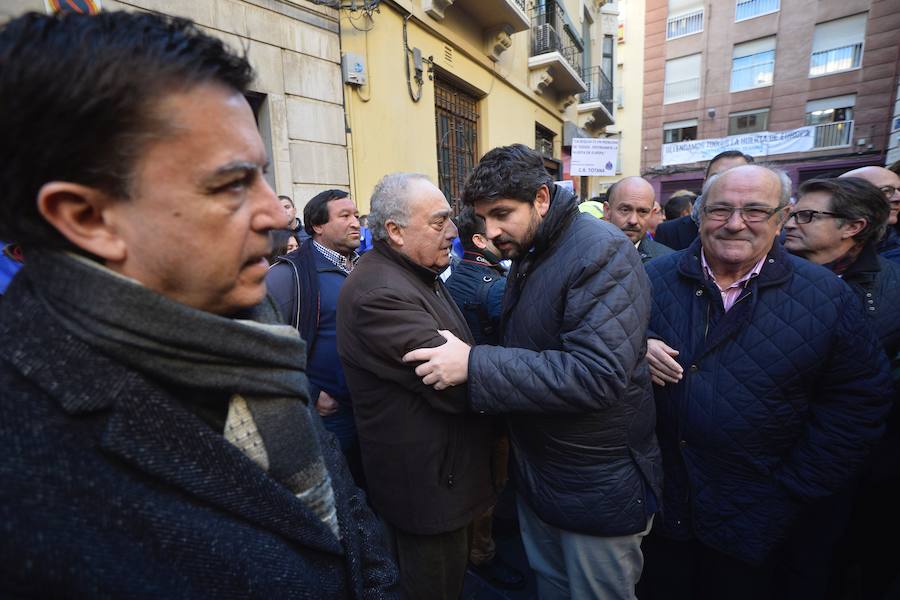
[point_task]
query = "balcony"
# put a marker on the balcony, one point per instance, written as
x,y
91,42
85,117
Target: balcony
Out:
x,y
681,90
598,99
833,135
758,71
835,60
747,9
555,61
498,19
685,24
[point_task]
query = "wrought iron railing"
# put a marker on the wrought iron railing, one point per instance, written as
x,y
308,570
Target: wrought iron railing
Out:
x,y
599,88
835,59
831,135
549,34
747,9
686,24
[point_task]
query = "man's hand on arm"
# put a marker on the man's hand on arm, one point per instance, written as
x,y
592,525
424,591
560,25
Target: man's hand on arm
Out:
x,y
663,366
325,404
443,366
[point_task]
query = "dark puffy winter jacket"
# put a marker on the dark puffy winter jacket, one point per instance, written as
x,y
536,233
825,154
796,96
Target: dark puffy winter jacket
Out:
x,y
573,378
782,397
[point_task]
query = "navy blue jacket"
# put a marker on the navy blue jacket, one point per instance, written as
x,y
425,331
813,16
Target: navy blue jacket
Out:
x,y
477,286
781,399
572,376
111,488
876,281
294,282
889,247
677,234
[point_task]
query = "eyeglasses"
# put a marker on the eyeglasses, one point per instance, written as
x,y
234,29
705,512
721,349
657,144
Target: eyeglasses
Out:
x,y
805,216
751,214
889,191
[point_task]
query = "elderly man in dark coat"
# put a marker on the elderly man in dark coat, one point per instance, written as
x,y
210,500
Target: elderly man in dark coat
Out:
x,y
426,458
570,373
156,435
771,389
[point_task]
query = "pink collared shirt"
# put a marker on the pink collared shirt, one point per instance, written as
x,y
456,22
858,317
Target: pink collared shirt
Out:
x,y
731,293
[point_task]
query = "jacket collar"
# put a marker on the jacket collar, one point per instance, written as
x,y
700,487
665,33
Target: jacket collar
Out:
x,y
865,268
563,210
145,426
776,269
424,273
482,259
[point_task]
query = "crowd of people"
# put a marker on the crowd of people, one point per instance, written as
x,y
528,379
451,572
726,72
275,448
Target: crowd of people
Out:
x,y
686,401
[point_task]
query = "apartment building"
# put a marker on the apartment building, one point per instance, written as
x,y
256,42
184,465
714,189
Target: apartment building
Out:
x,y
807,85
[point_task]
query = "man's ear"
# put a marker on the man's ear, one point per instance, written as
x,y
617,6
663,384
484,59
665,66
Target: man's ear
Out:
x,y
479,240
394,231
542,200
80,213
606,211
851,228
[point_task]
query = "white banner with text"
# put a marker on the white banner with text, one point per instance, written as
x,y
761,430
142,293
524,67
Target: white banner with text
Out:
x,y
594,156
756,145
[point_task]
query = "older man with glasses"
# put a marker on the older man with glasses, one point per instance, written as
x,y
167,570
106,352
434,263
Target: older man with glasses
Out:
x,y
889,183
770,389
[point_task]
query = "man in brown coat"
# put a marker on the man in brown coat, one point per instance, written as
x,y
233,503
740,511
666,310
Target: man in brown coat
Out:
x,y
426,457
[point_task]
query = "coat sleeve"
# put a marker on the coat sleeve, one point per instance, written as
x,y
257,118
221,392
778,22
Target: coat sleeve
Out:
x,y
607,308
847,412
373,571
282,287
390,325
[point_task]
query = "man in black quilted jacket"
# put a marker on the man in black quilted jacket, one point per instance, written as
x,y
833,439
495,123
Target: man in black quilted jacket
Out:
x,y
570,375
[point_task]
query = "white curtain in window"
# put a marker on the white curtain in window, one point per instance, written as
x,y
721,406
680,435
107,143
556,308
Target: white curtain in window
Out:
x,y
839,33
766,44
829,103
680,124
681,7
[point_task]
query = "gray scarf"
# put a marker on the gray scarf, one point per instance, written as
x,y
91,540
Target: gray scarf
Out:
x,y
258,363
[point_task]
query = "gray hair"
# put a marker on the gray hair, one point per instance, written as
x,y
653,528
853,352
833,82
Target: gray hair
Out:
x,y
784,181
390,202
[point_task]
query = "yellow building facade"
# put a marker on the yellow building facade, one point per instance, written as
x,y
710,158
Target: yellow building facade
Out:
x,y
431,85
628,79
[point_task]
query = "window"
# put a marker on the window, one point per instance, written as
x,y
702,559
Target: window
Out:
x,y
456,117
682,79
833,119
753,64
747,9
685,18
748,121
607,65
543,140
837,45
586,24
681,131
259,104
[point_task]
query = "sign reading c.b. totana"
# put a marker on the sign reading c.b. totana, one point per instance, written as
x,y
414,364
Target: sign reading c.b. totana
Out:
x,y
594,156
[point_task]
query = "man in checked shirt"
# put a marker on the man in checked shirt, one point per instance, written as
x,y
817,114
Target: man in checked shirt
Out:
x,y
306,284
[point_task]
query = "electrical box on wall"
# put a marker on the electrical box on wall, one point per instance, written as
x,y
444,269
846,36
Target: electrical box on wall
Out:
x,y
353,69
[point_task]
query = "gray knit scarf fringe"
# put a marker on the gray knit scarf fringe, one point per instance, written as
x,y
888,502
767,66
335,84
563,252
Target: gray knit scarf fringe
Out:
x,y
256,362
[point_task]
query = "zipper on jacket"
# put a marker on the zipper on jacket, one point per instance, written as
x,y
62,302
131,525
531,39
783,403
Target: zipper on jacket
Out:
x,y
452,444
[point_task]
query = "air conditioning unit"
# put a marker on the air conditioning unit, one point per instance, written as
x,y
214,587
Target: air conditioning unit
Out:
x,y
545,39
